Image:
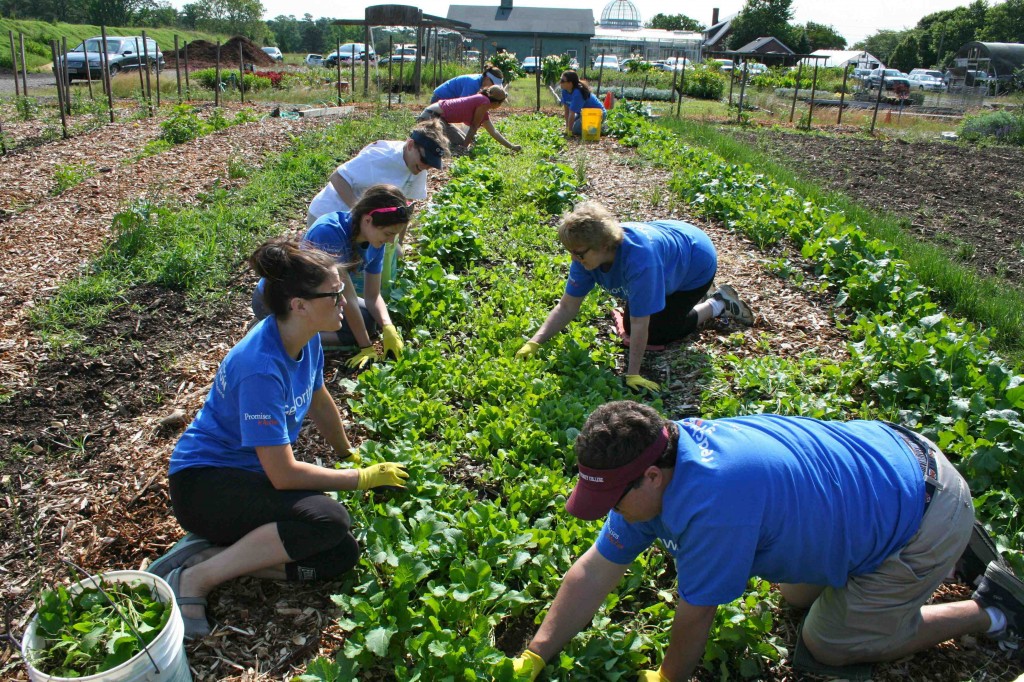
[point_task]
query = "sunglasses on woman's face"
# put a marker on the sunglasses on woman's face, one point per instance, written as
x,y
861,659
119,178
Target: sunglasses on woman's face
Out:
x,y
336,295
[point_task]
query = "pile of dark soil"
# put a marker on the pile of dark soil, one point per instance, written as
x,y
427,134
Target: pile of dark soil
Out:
x,y
202,54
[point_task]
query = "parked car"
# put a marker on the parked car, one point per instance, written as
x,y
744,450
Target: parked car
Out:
x,y
123,53
274,53
723,64
530,64
672,64
929,72
753,68
861,73
471,56
924,81
608,61
402,53
314,60
348,52
893,78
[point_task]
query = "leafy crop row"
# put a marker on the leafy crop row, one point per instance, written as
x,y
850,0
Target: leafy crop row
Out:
x,y
909,360
459,568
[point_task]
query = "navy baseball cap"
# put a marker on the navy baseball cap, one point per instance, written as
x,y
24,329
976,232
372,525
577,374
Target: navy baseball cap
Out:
x,y
429,149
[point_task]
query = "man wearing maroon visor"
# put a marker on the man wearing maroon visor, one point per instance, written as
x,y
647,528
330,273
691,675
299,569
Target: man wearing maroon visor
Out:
x,y
859,522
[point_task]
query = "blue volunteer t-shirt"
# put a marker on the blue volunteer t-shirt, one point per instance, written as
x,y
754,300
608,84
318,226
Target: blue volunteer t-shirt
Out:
x,y
577,103
654,260
789,499
332,232
259,396
460,86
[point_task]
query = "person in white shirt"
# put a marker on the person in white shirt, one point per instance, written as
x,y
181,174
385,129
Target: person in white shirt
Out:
x,y
386,162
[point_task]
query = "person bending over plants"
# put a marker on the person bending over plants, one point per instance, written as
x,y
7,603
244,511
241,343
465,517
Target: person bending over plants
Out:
x,y
469,84
576,97
357,239
249,506
402,164
859,521
473,111
663,269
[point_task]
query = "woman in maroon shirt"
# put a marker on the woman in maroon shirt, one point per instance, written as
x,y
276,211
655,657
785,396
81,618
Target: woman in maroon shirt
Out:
x,y
473,111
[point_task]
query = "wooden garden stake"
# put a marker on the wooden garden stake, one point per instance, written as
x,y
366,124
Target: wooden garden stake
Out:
x,y
14,65
88,69
59,74
216,78
105,63
24,66
337,64
177,67
145,64
241,74
188,91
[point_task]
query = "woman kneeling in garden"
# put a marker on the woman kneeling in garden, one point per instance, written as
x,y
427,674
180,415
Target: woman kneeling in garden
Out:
x,y
357,239
663,269
576,97
473,111
250,507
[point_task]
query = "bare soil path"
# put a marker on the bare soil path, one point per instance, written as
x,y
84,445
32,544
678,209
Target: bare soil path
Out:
x,y
84,441
967,198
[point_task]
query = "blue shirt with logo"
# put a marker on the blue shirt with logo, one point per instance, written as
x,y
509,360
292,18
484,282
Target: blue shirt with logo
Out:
x,y
332,232
460,86
259,397
788,499
654,260
577,103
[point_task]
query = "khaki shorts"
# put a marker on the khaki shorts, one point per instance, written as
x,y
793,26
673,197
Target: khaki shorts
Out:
x,y
880,611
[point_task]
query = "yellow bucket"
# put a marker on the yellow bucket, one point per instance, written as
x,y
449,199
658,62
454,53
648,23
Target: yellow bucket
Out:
x,y
591,124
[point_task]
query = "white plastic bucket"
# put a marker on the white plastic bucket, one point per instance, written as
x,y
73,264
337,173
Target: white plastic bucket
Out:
x,y
167,650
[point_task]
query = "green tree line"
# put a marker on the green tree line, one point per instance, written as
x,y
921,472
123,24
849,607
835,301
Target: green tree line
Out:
x,y
937,37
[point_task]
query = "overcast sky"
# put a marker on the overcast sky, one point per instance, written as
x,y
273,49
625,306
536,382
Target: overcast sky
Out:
x,y
854,20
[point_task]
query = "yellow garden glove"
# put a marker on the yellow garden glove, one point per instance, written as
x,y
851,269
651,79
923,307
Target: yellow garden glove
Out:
x,y
362,358
392,341
528,666
528,349
652,676
636,382
385,473
353,457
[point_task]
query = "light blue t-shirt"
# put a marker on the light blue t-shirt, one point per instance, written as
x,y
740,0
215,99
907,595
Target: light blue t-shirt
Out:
x,y
460,86
259,396
576,102
332,232
788,499
654,260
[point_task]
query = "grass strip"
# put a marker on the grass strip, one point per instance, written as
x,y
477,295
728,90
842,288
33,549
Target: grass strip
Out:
x,y
198,249
990,301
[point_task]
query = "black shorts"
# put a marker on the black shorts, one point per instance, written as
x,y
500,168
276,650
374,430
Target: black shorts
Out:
x,y
223,505
677,319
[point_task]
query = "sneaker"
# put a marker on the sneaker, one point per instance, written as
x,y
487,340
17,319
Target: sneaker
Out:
x,y
979,553
734,307
1001,589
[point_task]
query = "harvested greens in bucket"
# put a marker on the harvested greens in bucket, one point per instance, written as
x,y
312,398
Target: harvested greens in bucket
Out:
x,y
85,636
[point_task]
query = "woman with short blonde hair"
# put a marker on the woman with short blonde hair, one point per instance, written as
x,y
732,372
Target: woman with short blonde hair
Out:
x,y
662,269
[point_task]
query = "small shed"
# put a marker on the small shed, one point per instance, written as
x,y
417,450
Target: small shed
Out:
x,y
859,59
771,50
517,29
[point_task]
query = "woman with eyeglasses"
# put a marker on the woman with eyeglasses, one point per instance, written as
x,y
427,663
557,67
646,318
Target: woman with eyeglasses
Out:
x,y
473,111
469,84
249,506
576,96
357,240
663,269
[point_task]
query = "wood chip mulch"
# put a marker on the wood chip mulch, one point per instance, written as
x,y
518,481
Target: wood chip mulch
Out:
x,y
100,499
